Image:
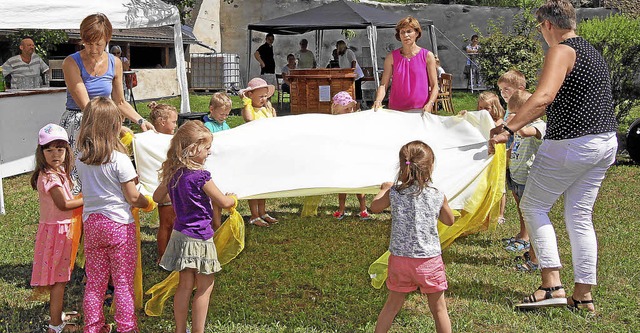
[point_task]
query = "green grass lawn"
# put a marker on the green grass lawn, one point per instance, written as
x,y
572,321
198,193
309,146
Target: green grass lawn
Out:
x,y
310,274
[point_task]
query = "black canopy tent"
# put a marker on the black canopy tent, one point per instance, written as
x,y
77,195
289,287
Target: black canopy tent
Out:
x,y
340,14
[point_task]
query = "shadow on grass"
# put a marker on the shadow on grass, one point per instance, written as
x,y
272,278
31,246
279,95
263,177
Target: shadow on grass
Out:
x,y
489,292
33,315
29,319
476,241
18,275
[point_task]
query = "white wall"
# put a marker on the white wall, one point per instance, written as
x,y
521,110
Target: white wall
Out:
x,y
206,26
155,83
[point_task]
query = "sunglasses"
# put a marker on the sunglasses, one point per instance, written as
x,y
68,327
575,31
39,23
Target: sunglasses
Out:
x,y
539,26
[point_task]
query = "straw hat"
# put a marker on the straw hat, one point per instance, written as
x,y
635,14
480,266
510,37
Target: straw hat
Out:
x,y
257,83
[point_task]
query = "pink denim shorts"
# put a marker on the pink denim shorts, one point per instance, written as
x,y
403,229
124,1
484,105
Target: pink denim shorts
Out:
x,y
407,274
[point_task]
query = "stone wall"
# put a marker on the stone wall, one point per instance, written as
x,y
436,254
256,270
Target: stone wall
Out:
x,y
453,24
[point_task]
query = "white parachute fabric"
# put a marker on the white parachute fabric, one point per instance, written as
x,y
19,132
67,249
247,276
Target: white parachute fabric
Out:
x,y
315,154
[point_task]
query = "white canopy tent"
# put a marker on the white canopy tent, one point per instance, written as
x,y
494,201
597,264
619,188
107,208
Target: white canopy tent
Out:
x,y
123,14
68,14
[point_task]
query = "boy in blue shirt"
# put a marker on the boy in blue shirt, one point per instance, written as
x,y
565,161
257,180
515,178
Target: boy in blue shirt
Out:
x,y
219,108
216,121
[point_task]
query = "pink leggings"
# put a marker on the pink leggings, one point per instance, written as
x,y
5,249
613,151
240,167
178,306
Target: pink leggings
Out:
x,y
110,248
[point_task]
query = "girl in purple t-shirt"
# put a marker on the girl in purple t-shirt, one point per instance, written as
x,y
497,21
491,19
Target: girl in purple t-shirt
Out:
x,y
191,250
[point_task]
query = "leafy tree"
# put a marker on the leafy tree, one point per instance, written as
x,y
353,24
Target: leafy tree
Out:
x,y
45,40
509,3
631,7
184,6
617,37
519,48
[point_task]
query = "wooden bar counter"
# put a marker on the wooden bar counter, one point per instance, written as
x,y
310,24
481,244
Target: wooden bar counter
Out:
x,y
309,86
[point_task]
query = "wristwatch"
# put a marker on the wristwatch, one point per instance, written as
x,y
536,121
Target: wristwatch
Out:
x,y
504,127
141,121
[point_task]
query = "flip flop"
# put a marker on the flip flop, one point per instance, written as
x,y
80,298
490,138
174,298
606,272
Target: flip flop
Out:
x,y
269,219
258,221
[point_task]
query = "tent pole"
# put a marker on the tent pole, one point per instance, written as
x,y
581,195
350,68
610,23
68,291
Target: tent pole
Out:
x,y
374,54
372,33
248,57
181,68
318,45
434,43
321,43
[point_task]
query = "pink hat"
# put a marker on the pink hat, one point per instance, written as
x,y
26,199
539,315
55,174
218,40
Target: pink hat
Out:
x,y
52,132
343,98
257,83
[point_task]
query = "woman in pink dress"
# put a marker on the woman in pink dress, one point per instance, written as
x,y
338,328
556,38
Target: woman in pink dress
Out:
x,y
413,69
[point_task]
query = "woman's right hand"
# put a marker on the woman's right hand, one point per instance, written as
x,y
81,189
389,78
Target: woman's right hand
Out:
x,y
497,135
377,105
146,125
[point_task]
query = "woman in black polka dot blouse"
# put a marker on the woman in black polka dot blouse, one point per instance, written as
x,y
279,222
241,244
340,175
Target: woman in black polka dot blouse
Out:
x,y
574,91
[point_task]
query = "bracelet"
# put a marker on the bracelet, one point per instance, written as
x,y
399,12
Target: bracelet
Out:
x,y
504,127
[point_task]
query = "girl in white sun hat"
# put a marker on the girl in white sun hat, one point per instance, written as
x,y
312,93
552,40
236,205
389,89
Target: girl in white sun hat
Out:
x,y
255,98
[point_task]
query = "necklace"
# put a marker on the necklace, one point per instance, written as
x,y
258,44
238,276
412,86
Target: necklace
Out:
x,y
92,66
96,67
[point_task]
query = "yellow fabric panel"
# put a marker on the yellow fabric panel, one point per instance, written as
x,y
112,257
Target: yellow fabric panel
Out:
x,y
75,233
229,241
310,205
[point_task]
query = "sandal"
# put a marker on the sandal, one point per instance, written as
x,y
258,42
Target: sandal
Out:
x,y
64,327
531,302
518,245
508,241
575,305
524,263
258,221
339,215
70,316
269,219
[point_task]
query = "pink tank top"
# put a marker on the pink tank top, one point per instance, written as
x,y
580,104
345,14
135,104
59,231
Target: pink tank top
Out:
x,y
410,82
